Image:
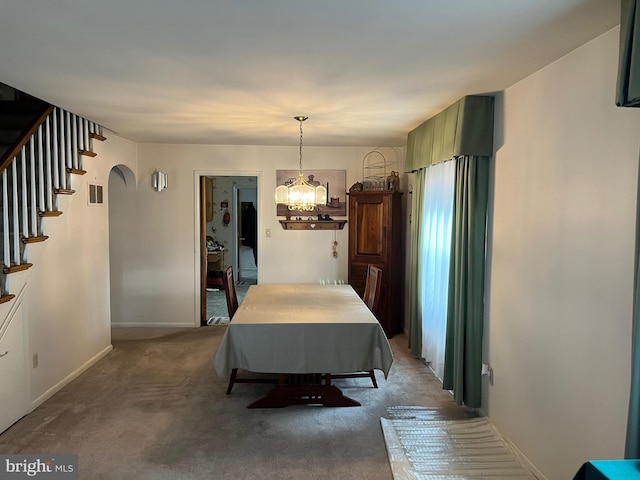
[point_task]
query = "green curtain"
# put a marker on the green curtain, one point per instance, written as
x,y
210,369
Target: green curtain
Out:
x,y
465,316
632,449
628,86
415,279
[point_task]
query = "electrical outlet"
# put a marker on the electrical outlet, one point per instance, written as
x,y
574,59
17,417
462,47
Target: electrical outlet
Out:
x,y
35,360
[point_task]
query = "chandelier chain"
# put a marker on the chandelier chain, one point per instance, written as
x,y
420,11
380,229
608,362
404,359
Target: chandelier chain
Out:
x,y
300,146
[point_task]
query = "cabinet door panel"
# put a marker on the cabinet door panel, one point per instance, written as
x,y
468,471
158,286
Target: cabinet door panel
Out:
x,y
369,217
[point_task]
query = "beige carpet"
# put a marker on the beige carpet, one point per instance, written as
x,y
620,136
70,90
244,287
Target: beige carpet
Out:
x,y
154,409
422,443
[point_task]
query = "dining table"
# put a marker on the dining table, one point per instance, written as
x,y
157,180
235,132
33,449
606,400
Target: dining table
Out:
x,y
303,333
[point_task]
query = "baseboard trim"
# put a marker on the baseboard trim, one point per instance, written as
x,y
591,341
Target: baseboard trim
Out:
x,y
69,378
523,458
153,325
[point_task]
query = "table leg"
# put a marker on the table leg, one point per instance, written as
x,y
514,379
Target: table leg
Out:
x,y
305,390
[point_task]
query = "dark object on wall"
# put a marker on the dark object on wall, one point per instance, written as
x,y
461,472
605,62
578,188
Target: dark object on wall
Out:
x,y
628,87
375,238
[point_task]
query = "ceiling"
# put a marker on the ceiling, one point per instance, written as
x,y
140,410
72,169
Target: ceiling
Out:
x,y
235,72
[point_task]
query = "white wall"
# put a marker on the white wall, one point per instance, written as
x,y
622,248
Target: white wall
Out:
x,y
561,260
66,300
161,284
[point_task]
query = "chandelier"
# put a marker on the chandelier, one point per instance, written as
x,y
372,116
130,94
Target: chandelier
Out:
x,y
300,194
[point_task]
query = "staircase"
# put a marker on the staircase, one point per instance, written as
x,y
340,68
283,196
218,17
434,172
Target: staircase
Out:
x,y
41,148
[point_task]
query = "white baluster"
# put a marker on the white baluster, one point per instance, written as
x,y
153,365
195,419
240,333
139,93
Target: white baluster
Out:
x,y
74,140
24,206
67,142
6,250
15,224
91,128
47,156
46,195
33,213
54,149
86,140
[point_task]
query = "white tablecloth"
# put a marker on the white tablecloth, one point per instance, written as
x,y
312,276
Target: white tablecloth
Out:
x,y
303,329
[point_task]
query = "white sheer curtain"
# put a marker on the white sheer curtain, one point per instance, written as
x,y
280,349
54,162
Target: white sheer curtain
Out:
x,y
436,247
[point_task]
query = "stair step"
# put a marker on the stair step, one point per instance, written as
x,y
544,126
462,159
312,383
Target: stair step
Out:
x,y
97,136
55,213
63,191
76,171
87,153
27,240
17,268
6,298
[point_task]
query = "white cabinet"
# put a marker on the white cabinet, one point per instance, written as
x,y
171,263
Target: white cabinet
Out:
x,y
14,370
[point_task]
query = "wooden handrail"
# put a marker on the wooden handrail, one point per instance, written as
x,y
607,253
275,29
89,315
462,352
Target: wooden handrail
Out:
x,y
6,159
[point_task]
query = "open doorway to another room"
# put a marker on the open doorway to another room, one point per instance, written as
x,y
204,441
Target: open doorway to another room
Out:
x,y
229,229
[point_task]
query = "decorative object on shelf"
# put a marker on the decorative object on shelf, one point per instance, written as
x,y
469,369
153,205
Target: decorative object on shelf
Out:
x,y
334,181
301,194
356,187
393,182
374,171
159,180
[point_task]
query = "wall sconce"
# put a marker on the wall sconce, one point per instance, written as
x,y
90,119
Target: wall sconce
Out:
x,y
159,180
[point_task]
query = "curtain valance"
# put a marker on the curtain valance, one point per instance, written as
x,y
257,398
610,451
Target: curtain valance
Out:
x,y
463,128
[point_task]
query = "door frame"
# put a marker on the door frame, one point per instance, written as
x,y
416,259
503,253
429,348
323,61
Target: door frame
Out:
x,y
199,237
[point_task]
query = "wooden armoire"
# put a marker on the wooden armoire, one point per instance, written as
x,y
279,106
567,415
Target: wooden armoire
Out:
x,y
376,237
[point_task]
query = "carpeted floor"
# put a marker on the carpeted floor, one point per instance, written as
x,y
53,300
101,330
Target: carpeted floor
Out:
x,y
155,409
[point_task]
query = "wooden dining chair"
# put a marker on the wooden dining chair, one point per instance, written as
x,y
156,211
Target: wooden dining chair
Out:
x,y
372,288
229,284
371,297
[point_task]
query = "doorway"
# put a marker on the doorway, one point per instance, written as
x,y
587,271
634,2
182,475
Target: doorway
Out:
x,y
247,235
228,237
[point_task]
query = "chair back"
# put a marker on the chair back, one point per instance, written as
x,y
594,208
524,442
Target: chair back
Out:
x,y
229,284
372,288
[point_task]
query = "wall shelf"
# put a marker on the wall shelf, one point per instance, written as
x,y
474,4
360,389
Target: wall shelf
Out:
x,y
312,224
